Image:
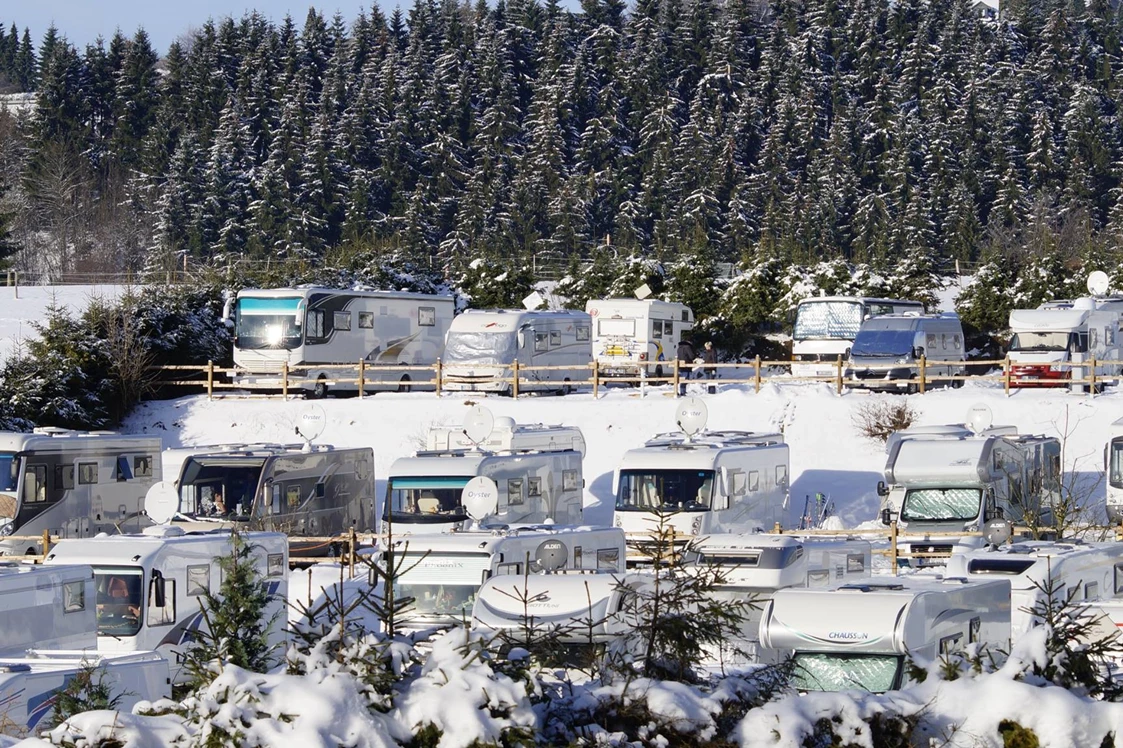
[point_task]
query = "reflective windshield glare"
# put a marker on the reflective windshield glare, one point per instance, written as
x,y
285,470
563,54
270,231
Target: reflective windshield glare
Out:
x,y
837,320
831,672
941,504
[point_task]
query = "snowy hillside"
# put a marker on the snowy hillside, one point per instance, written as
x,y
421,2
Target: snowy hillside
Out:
x,y
22,306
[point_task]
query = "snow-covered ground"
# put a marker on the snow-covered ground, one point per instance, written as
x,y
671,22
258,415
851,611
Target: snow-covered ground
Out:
x,y
21,306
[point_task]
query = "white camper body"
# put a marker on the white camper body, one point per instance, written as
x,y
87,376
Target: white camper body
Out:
x,y
46,607
955,481
1048,344
637,335
899,341
825,326
715,481
308,329
857,636
756,566
73,484
482,345
1094,570
29,685
536,467
1113,466
302,491
442,572
164,573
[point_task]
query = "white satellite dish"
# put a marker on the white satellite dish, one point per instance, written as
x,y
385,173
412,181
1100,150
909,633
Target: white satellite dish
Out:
x,y
480,497
534,300
691,415
979,418
311,423
161,502
642,292
1098,283
997,531
478,424
551,555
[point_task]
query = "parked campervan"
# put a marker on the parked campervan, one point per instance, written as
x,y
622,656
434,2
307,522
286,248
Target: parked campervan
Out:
x,y
755,566
537,469
74,484
482,345
858,636
1113,466
1048,345
46,607
149,586
887,350
29,685
303,491
824,328
309,330
631,336
442,572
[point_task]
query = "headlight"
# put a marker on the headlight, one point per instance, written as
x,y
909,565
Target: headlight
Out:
x,y
6,529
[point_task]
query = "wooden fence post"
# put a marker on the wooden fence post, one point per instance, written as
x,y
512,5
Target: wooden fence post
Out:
x,y
923,373
362,376
893,546
46,543
675,377
1006,374
1092,379
284,379
439,373
515,380
596,378
351,543
756,373
838,375
210,380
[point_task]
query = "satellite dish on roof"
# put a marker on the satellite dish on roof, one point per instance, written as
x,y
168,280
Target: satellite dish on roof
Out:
x,y
478,423
480,497
997,531
642,292
1098,283
161,502
979,418
311,422
534,300
691,416
551,555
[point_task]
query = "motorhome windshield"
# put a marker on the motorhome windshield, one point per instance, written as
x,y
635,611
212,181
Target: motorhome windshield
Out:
x,y
645,490
119,601
425,498
483,348
885,343
846,672
1115,464
1041,341
936,504
9,472
219,486
835,320
267,323
441,600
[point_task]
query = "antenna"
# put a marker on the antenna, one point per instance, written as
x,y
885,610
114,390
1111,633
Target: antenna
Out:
x,y
161,502
979,418
1098,283
533,300
478,425
311,425
551,555
691,416
642,292
480,497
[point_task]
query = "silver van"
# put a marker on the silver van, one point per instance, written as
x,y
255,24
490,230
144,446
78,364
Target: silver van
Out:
x,y
888,348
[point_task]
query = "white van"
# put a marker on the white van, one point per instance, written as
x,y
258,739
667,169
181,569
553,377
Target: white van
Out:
x,y
46,607
482,345
634,335
887,350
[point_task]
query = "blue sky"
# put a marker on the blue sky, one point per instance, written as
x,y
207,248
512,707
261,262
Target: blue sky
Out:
x,y
83,20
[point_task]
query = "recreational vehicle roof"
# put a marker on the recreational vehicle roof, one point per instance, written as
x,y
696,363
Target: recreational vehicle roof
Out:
x,y
144,548
486,542
305,291
609,307
941,461
1030,562
506,436
714,440
949,431
909,321
57,441
858,299
1048,319
509,320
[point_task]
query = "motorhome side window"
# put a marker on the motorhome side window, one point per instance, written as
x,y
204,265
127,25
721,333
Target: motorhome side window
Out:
x,y
198,580
657,329
73,597
341,321
515,491
533,487
1091,590
569,480
781,475
540,341
974,629
35,483
669,328
366,320
855,562
754,480
555,338
931,341
315,324
87,473
161,615
64,477
608,558
426,316
292,495
583,333
949,644
1093,337
124,470
1119,579
142,466
275,565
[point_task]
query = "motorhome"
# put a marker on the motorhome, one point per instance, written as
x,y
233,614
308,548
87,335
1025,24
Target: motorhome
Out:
x,y
1113,466
303,491
634,337
149,586
824,328
46,608
1090,572
73,484
858,636
309,330
29,685
536,467
482,345
755,566
1049,345
442,572
957,479
887,351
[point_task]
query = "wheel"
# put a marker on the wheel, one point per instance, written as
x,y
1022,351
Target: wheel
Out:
x,y
404,384
912,388
320,391
658,372
567,388
31,552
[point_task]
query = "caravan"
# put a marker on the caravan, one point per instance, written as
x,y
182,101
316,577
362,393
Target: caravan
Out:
x,y
858,636
887,351
825,326
46,607
73,484
634,336
304,331
482,345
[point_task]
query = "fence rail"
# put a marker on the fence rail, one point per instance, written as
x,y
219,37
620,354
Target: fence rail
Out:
x,y
1091,375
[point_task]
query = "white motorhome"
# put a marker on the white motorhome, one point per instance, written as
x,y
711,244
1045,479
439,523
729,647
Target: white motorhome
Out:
x,y
755,566
29,685
955,480
1093,570
886,352
825,326
308,329
46,608
301,490
442,572
482,345
1049,344
73,484
537,469
1113,466
149,586
856,637
637,335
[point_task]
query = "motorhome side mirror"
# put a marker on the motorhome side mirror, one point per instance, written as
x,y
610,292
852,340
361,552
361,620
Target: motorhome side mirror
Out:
x,y
882,489
886,516
918,351
159,591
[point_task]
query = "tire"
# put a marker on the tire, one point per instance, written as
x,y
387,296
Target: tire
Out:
x,y
31,552
404,384
320,391
567,388
658,372
912,389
